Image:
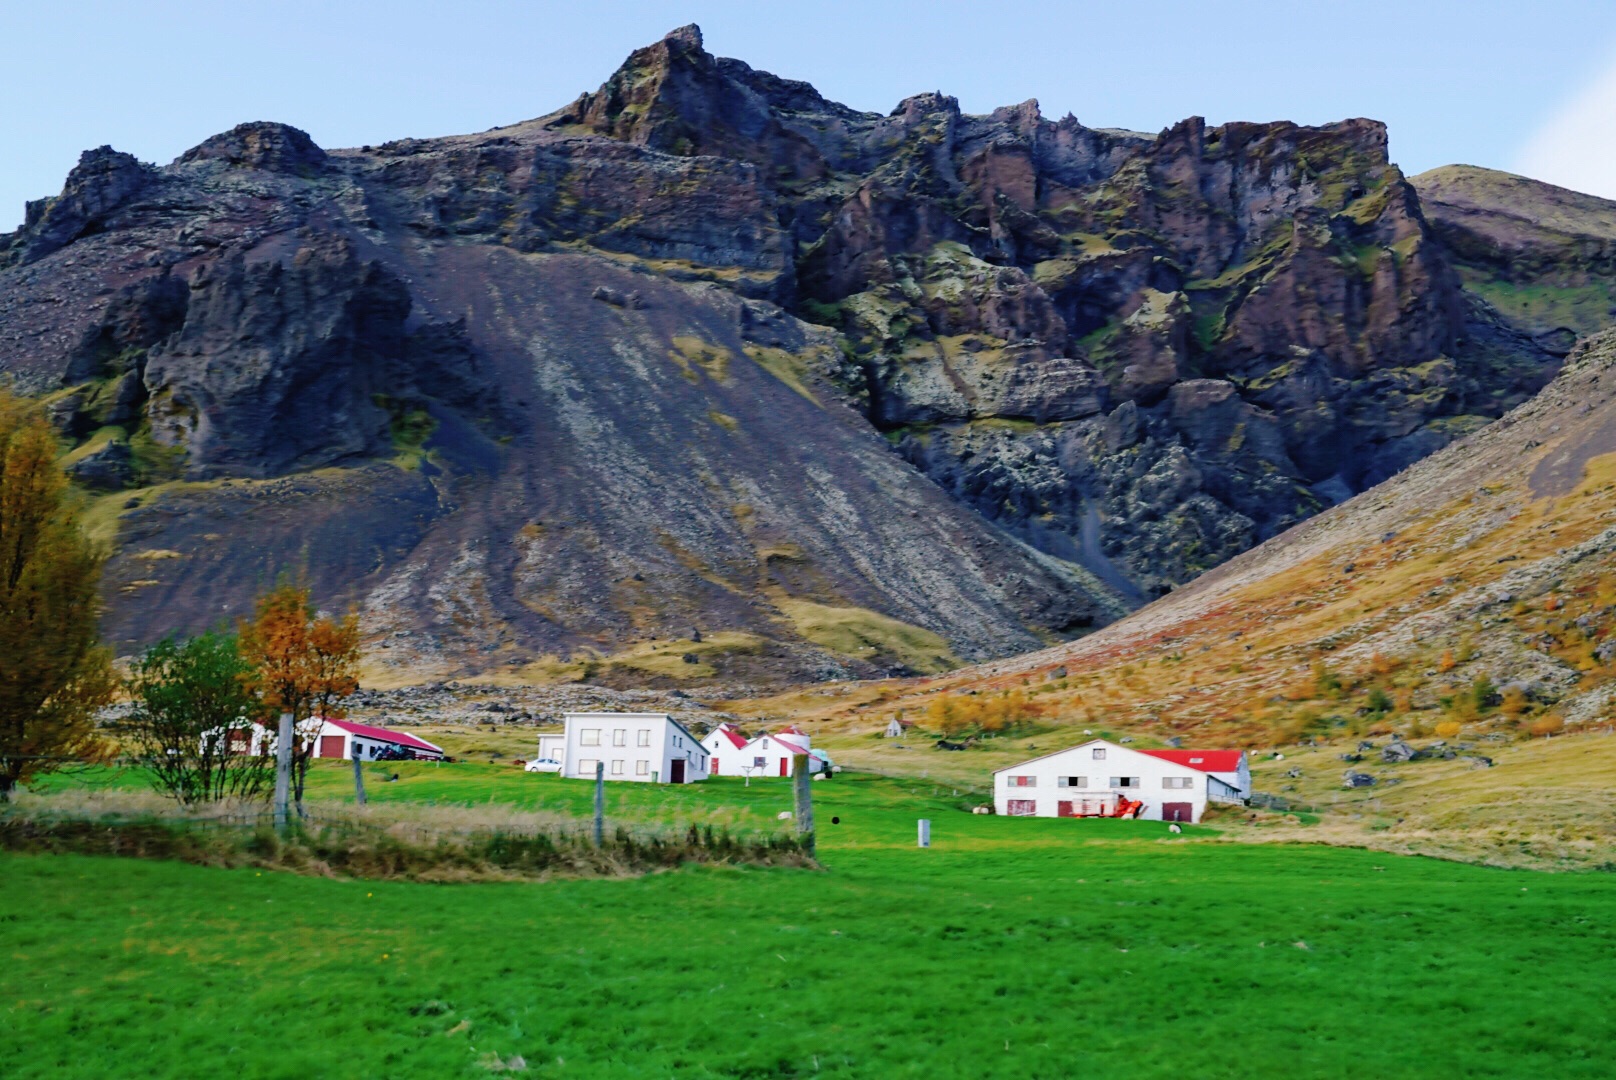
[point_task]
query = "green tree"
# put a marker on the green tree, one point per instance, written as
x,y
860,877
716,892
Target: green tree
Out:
x,y
54,674
194,707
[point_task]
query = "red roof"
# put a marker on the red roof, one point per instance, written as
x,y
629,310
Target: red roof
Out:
x,y
791,744
1205,760
397,738
734,737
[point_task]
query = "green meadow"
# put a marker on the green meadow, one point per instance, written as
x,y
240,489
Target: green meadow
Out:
x,y
1018,948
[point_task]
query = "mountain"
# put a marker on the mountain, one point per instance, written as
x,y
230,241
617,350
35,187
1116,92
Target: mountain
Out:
x,y
705,376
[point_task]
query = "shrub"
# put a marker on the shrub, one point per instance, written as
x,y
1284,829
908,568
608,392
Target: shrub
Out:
x,y
1483,692
1448,661
1548,724
1379,702
1514,702
1449,729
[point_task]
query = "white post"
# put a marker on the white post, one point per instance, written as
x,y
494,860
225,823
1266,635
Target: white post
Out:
x,y
925,833
283,770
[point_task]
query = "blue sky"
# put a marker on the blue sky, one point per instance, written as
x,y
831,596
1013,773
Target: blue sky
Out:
x,y
1526,87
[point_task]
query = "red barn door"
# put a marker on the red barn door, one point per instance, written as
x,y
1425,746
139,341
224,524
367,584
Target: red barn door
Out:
x,y
331,745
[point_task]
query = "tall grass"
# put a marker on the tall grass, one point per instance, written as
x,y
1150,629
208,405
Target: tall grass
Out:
x,y
386,842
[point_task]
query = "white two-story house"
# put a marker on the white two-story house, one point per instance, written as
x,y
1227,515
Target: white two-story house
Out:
x,y
1099,777
652,748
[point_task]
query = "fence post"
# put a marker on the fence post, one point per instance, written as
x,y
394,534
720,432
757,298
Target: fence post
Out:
x,y
358,780
924,837
805,801
283,770
600,803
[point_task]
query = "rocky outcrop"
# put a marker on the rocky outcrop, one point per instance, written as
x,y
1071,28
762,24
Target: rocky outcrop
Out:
x,y
102,183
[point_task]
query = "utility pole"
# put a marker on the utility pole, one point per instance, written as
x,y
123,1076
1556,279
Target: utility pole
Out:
x,y
358,780
600,803
805,800
283,771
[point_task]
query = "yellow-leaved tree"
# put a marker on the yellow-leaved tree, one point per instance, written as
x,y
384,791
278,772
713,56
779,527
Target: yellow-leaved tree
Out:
x,y
54,673
305,664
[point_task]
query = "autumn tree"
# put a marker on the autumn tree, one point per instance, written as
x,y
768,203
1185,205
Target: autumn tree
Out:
x,y
54,674
304,665
194,705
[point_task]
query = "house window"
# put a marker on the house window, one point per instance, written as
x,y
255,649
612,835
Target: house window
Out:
x,y
1177,781
586,766
645,736
758,762
1072,781
1124,781
1099,753
1021,781
620,737
1021,807
589,736
642,767
617,766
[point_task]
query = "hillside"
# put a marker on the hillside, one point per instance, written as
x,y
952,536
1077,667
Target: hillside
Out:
x,y
1476,589
706,378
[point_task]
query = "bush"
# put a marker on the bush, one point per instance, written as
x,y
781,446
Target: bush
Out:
x,y
1547,725
1449,729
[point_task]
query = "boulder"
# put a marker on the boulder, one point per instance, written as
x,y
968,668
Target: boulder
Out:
x,y
1352,779
1398,751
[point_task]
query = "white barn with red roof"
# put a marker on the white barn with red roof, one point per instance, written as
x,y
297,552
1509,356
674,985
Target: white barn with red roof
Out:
x,y
1097,778
346,739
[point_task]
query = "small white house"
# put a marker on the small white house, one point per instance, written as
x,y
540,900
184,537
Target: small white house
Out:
x,y
651,748
332,739
724,745
348,740
771,754
1098,777
898,727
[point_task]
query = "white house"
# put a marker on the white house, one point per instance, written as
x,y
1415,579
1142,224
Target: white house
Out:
x,y
724,744
334,739
1097,777
346,739
651,748
898,727
771,753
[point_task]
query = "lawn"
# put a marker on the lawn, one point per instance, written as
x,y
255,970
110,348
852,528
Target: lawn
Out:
x,y
1011,948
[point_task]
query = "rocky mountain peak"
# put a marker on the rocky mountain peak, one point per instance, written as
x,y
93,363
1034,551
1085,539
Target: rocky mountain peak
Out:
x,y
686,37
264,145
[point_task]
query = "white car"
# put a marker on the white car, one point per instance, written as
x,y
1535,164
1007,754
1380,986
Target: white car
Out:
x,y
543,764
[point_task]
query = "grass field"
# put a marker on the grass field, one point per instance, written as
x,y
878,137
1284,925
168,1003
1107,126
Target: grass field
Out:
x,y
1011,948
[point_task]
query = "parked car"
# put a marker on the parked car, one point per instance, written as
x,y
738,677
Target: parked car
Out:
x,y
543,764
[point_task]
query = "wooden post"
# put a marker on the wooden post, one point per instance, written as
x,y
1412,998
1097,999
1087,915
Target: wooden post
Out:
x,y
805,801
283,770
358,780
600,803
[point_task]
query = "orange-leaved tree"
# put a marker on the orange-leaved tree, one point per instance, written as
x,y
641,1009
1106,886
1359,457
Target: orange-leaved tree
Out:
x,y
305,664
54,674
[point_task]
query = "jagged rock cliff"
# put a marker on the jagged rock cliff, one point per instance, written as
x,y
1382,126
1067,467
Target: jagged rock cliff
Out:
x,y
703,351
